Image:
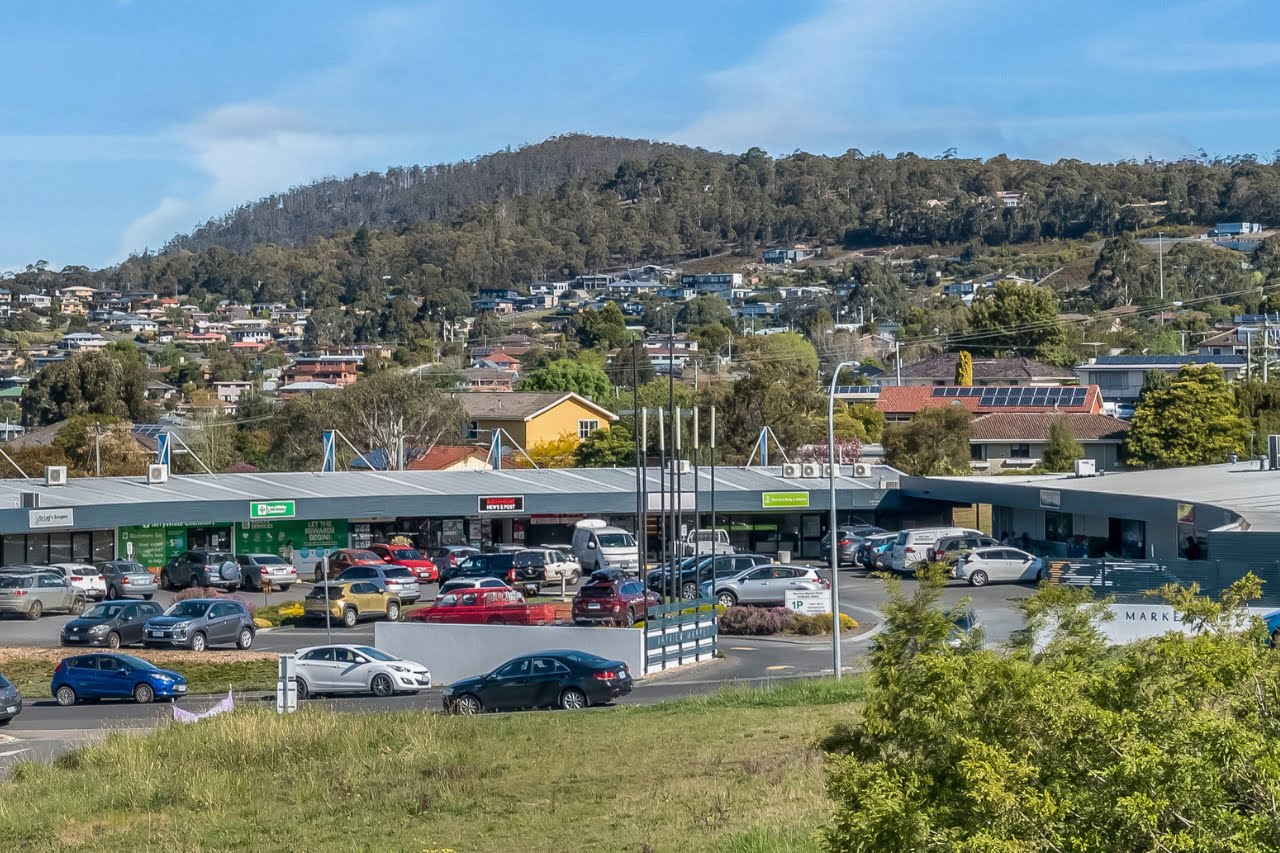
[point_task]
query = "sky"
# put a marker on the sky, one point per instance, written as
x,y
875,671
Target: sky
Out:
x,y
129,121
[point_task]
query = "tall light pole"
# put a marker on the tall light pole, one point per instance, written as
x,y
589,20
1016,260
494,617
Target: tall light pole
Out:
x,y
835,540
1160,254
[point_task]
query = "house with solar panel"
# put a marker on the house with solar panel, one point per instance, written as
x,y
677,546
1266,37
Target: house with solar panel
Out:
x,y
900,403
987,370
1120,376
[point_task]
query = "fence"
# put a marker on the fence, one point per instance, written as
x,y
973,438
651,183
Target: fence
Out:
x,y
677,634
1130,580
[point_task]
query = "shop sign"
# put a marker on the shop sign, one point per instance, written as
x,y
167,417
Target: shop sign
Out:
x,y
809,602
272,509
302,543
1187,514
152,544
502,503
43,518
784,500
1050,499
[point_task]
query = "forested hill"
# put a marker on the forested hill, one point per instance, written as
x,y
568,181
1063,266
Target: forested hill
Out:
x,y
402,196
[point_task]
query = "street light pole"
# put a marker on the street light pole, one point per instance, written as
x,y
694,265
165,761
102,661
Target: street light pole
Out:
x,y
835,540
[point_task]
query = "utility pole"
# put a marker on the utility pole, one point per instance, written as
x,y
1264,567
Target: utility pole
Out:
x,y
1160,254
635,425
1266,347
97,450
897,361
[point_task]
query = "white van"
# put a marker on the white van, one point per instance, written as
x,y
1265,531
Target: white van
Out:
x,y
912,546
599,546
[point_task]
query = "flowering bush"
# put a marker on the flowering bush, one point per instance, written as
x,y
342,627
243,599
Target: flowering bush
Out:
x,y
755,620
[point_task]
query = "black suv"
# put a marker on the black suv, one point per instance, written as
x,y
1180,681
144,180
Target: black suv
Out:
x,y
694,572
523,569
201,568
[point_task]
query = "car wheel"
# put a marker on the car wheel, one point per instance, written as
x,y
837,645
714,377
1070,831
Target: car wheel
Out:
x,y
689,591
303,690
198,643
245,640
727,599
147,596
349,617
629,619
1039,575
165,583
66,696
36,611
393,612
6,721
143,694
113,640
112,593
77,606
573,699
382,685
978,578
319,576
285,588
467,704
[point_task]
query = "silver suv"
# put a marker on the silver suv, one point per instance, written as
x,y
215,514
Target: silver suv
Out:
x,y
199,623
35,593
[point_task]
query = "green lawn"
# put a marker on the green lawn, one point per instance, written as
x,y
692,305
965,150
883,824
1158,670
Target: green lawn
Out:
x,y
216,674
733,771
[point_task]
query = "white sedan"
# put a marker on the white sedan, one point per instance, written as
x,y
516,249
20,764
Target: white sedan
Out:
x,y
357,669
998,563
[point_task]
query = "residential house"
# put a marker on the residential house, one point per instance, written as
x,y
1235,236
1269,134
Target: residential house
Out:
x,y
532,418
336,370
488,379
500,293
1120,376
450,458
901,403
1009,198
1003,440
548,288
204,338
715,284
754,309
497,360
787,256
79,341
497,306
230,392
1235,229
625,287
677,293
804,291
157,390
134,324
35,300
592,282
304,388
251,331
941,370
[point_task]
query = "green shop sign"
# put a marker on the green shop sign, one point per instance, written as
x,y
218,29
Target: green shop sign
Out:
x,y
153,544
302,543
784,500
272,509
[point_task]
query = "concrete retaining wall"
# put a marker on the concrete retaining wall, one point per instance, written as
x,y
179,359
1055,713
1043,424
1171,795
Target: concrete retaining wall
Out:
x,y
458,651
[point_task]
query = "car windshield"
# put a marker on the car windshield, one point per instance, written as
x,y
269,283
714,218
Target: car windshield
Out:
x,y
137,663
188,608
4,682
131,568
325,592
366,556
104,611
398,573
375,654
269,560
615,540
405,554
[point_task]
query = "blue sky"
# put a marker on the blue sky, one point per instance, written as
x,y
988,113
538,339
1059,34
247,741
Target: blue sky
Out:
x,y
127,121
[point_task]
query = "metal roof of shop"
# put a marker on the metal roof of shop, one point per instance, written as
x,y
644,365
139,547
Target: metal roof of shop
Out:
x,y
202,499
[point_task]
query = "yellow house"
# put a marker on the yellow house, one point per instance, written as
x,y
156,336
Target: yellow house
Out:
x,y
533,417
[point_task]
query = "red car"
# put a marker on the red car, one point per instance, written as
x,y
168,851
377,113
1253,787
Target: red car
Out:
x,y
484,607
612,596
403,555
345,558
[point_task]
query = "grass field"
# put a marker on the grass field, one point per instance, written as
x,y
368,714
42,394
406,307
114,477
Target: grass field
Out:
x,y
206,672
732,771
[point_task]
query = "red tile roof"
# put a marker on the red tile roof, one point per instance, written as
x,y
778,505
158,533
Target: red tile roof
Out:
x,y
443,457
909,399
1027,426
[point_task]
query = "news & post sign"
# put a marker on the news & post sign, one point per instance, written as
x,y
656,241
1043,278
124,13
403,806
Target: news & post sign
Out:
x,y
501,503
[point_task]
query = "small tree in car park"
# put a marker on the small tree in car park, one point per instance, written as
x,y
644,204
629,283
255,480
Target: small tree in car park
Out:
x,y
1065,742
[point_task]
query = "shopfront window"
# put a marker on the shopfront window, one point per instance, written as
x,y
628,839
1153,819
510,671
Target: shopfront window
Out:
x,y
1058,526
59,547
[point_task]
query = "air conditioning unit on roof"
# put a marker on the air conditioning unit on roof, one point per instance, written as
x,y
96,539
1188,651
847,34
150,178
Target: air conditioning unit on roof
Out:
x,y
811,470
861,470
157,474
791,471
55,475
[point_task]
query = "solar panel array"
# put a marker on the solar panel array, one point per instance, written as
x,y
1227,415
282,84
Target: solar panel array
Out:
x,y
1020,396
1154,360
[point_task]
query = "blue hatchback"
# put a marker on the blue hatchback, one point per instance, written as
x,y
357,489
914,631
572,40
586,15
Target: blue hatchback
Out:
x,y
107,676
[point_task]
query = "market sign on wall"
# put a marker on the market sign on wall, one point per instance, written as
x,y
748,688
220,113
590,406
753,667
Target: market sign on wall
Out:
x,y
784,500
502,503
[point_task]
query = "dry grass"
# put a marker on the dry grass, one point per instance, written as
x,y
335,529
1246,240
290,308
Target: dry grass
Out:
x,y
730,772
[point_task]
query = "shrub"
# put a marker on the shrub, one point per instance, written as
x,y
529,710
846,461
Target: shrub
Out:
x,y
213,592
279,614
755,620
820,624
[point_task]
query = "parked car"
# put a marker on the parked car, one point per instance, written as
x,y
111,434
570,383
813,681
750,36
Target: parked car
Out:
x,y
10,701
565,679
32,594
484,607
201,568
999,563
357,669
555,564
521,572
402,555
599,546
108,676
611,596
396,580
256,570
350,601
872,547
764,585
694,572
125,579
458,584
199,623
965,627
850,538
449,556
112,624
343,559
949,548
85,577
912,546
698,542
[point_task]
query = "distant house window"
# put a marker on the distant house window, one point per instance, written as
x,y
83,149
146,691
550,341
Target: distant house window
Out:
x,y
586,427
978,452
473,429
1019,451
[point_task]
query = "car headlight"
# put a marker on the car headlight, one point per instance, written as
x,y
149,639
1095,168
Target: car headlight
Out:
x,y
399,668
181,628
99,629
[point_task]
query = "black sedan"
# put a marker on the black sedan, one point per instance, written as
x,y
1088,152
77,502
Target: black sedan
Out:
x,y
556,679
112,624
10,701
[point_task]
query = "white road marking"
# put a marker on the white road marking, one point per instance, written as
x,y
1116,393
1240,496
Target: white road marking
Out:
x,y
14,752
